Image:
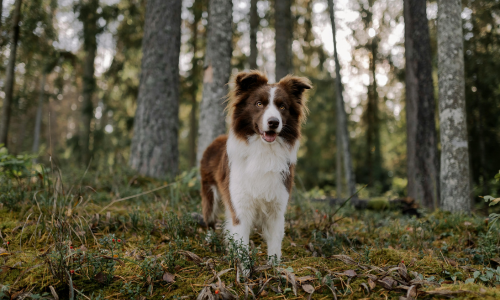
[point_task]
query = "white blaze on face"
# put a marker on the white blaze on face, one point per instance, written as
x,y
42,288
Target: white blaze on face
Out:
x,y
270,112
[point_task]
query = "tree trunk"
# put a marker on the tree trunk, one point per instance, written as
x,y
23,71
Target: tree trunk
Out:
x,y
254,27
9,78
373,156
1,11
217,71
284,36
38,119
89,17
154,150
455,184
343,143
423,165
195,83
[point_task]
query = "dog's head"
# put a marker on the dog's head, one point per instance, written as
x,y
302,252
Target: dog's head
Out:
x,y
269,110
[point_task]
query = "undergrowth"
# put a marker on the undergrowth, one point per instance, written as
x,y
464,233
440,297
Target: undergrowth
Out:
x,y
114,235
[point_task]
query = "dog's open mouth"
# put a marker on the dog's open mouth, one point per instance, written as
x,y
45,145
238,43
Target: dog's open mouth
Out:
x,y
268,136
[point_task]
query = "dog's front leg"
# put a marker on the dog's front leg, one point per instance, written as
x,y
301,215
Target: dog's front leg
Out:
x,y
238,237
274,231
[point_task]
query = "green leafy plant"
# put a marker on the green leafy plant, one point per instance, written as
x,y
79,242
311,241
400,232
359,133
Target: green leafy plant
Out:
x,y
493,201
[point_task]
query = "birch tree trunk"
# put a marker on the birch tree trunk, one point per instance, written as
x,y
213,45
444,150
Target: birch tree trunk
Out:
x,y
38,119
284,35
254,27
217,72
9,78
455,183
154,150
423,165
343,144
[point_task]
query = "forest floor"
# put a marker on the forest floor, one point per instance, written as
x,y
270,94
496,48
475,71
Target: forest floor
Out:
x,y
112,235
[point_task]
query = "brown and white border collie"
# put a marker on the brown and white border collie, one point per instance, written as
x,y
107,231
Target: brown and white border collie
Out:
x,y
251,169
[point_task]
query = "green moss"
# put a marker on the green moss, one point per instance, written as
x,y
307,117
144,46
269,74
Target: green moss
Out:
x,y
383,257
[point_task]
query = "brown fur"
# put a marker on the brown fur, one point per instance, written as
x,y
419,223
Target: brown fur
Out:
x,y
250,87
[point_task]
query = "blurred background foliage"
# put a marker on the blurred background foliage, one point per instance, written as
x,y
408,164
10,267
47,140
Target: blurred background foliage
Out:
x,y
51,42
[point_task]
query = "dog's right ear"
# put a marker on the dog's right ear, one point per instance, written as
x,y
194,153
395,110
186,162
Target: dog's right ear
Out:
x,y
247,81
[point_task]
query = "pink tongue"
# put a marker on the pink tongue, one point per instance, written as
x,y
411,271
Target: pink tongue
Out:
x,y
269,137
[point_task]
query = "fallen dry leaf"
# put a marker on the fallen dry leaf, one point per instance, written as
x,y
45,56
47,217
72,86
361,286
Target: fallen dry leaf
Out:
x,y
371,283
412,292
191,256
345,259
305,278
308,288
403,272
349,273
452,262
387,283
168,277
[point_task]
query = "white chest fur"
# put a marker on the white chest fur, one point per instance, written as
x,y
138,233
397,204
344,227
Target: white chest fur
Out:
x,y
258,170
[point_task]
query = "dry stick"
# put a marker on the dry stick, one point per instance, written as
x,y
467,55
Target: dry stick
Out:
x,y
81,293
345,202
137,195
71,291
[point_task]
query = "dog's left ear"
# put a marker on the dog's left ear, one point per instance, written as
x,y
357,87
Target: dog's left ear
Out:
x,y
295,85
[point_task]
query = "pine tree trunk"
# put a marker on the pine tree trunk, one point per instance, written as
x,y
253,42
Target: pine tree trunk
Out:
x,y
1,11
284,35
88,105
154,150
38,119
9,78
343,143
423,165
195,83
455,184
88,16
373,156
217,72
254,27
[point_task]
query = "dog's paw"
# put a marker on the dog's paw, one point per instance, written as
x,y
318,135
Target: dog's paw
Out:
x,y
242,273
273,260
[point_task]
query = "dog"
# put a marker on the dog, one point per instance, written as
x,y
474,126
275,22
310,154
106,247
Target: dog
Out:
x,y
251,169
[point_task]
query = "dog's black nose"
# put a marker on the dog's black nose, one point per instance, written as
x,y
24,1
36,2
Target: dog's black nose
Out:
x,y
273,123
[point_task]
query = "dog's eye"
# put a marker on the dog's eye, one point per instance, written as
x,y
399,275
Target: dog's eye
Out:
x,y
282,107
259,104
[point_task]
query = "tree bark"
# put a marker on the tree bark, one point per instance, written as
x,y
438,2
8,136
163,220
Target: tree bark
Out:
x,y
1,11
423,165
195,83
89,17
455,184
38,119
343,143
373,156
216,76
154,150
284,35
10,76
254,27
